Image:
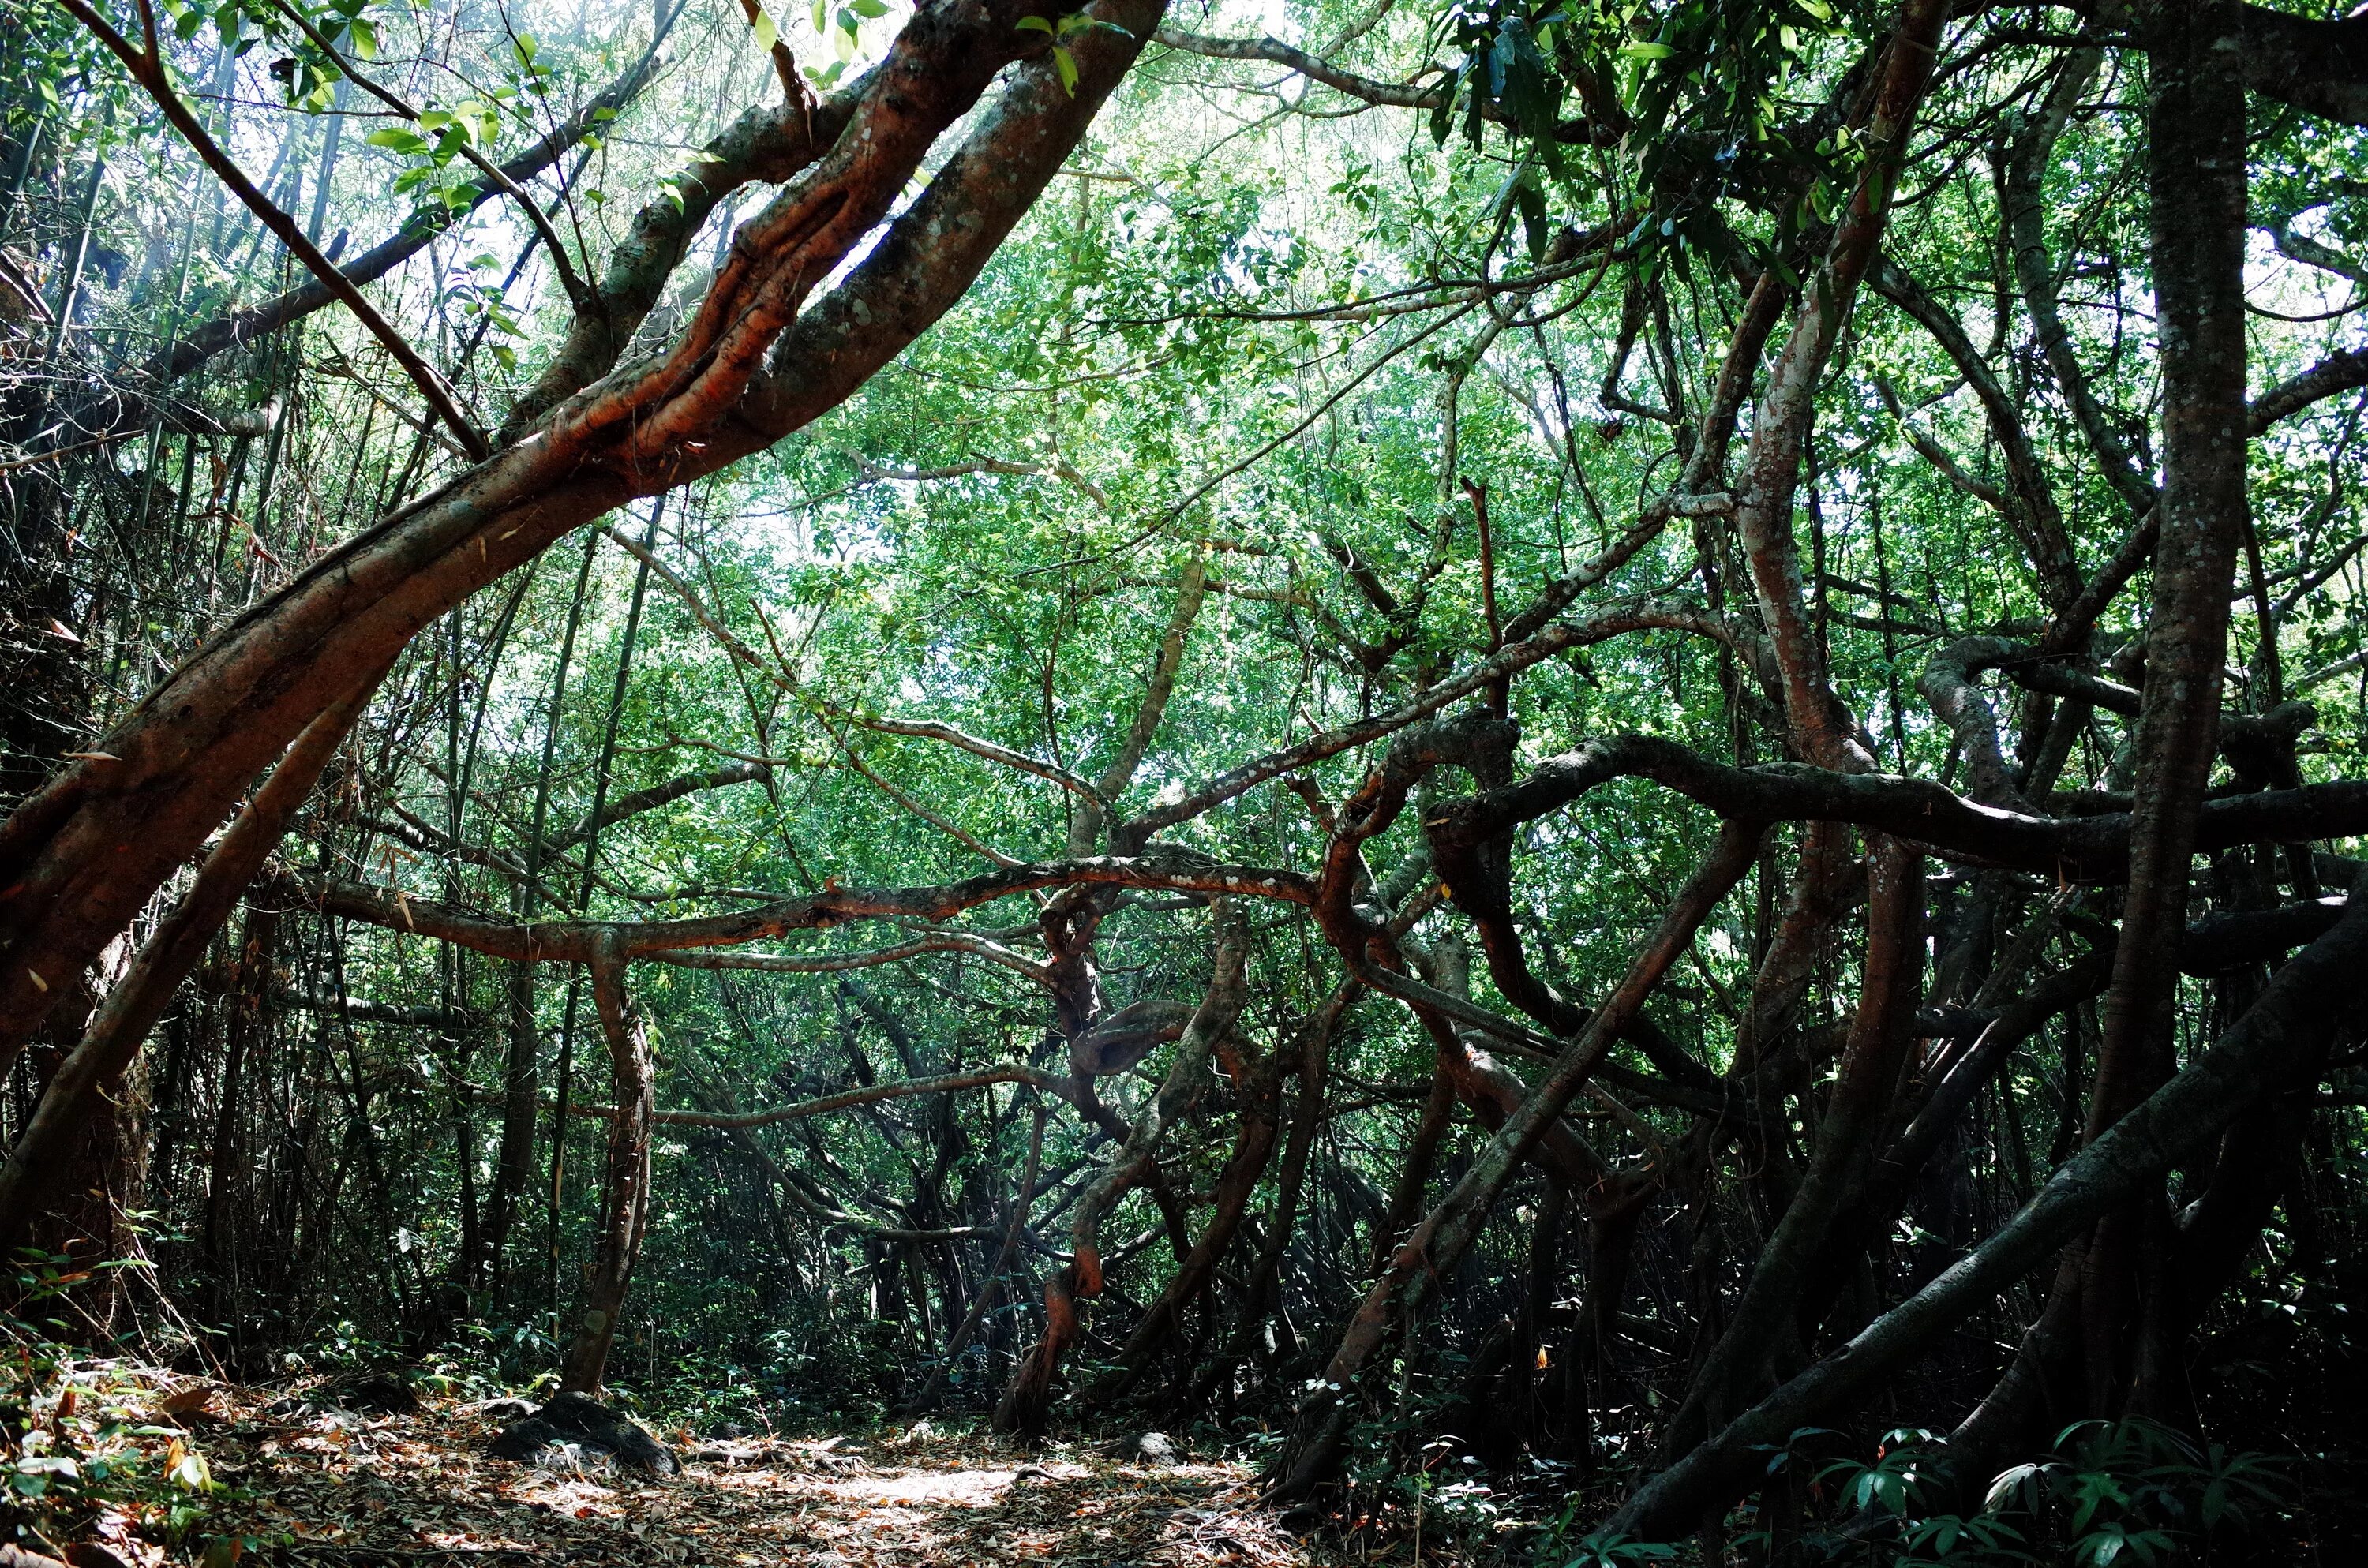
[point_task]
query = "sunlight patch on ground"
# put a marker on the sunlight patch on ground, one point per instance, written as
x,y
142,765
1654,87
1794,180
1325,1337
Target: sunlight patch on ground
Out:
x,y
419,1489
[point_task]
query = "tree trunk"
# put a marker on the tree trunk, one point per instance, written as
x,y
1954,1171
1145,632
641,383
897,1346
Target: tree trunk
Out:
x,y
514,1164
625,1191
1863,1091
227,1168
84,854
1254,1143
1435,1245
2196,175
2276,1039
1027,1398
1307,1118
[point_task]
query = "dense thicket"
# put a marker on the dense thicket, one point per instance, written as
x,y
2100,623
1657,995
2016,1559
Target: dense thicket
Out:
x,y
1550,757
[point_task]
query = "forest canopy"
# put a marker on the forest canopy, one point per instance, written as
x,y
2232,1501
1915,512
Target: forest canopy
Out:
x,y
1588,772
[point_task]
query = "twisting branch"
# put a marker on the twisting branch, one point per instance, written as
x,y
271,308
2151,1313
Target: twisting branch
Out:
x,y
1433,1247
1787,408
578,941
1416,93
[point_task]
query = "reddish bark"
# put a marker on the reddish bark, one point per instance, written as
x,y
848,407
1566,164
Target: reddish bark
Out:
x,y
79,858
625,1183
1822,731
140,996
2196,172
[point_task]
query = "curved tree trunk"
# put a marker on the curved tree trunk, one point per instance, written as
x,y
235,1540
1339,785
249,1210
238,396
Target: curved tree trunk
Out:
x,y
2265,1050
2196,174
1863,1094
1162,1321
1434,1246
1027,1400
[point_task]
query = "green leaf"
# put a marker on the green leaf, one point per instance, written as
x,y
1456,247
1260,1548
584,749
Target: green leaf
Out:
x,y
1442,113
767,34
1034,25
1642,51
1522,82
1066,65
407,142
1535,230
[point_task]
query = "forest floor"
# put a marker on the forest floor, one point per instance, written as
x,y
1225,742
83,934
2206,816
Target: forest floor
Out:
x,y
328,1487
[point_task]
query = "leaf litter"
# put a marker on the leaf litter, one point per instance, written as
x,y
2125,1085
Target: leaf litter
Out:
x,y
331,1487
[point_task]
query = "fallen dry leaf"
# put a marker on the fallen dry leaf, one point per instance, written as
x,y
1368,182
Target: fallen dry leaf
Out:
x,y
419,1489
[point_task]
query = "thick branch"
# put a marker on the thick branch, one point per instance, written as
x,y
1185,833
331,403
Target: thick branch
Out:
x,y
2256,1056
201,343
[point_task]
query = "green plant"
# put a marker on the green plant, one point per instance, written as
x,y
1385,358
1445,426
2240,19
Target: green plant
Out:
x,y
1953,1540
1891,1482
2137,1491
1601,1551
80,1448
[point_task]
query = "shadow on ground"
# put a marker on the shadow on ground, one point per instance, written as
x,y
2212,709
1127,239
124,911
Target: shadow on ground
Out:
x,y
330,1487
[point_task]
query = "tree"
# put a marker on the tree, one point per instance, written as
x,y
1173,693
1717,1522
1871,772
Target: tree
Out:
x,y
1534,728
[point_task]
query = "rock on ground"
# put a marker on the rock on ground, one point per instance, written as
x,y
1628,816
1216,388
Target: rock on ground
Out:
x,y
576,1421
1154,1449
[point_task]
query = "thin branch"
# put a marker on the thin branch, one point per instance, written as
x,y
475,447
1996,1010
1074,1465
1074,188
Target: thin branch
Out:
x,y
1003,1072
578,295
148,70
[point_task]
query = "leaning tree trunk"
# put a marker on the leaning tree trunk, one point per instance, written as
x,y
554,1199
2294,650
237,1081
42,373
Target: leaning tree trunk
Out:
x,y
146,989
81,855
2264,1052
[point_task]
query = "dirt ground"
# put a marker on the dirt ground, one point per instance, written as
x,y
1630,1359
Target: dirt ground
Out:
x,y
334,1488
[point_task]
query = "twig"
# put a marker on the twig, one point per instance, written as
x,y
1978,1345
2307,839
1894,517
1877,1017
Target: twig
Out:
x,y
39,457
147,69
578,294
